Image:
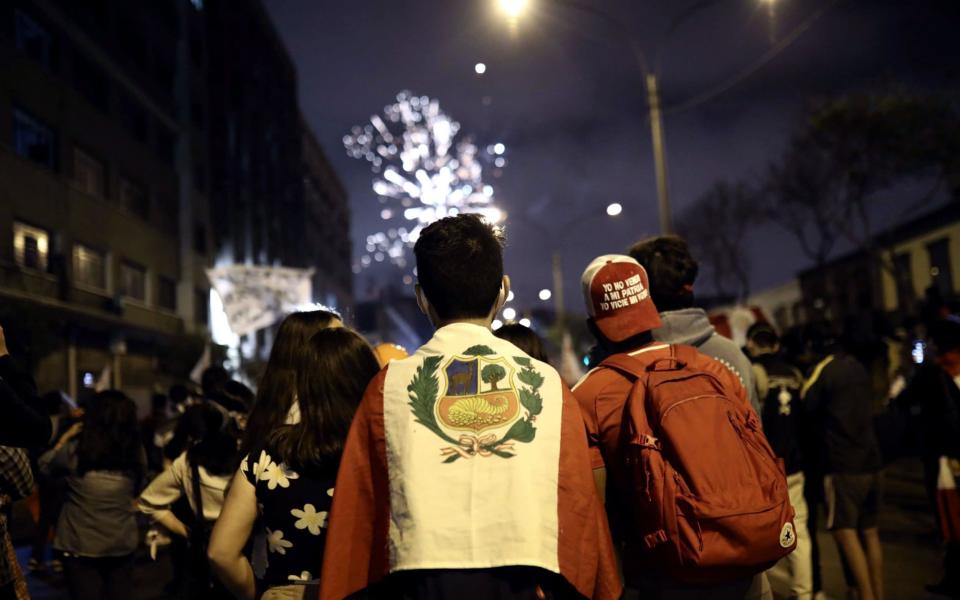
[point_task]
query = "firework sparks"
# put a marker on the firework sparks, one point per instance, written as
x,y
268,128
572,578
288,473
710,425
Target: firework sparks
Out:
x,y
423,171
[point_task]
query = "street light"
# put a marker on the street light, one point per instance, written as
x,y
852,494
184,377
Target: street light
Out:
x,y
513,8
480,68
545,294
614,209
509,314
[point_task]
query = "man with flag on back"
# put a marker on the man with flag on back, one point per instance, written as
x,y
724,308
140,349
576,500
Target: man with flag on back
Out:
x,y
466,473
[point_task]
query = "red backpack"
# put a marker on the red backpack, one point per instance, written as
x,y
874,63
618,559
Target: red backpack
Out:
x,y
709,497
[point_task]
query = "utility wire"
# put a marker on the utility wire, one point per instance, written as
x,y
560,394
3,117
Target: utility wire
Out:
x,y
752,68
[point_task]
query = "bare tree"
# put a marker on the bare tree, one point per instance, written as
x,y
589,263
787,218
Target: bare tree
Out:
x,y
716,227
849,152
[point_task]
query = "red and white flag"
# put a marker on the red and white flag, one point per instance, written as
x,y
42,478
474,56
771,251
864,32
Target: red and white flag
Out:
x,y
948,499
468,454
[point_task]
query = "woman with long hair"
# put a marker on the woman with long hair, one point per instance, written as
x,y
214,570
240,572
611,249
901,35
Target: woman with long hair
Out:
x,y
290,474
274,405
201,475
103,461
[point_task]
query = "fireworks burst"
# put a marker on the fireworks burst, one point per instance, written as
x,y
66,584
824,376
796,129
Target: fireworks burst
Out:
x,y
423,172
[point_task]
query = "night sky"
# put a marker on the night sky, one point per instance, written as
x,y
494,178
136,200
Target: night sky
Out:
x,y
567,98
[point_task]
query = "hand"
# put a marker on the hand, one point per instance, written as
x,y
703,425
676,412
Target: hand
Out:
x,y
3,343
69,434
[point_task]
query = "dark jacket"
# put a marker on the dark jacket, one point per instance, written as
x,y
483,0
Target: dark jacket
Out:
x,y
839,399
779,384
23,425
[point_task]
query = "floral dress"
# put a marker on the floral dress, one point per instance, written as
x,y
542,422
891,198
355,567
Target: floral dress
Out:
x,y
293,509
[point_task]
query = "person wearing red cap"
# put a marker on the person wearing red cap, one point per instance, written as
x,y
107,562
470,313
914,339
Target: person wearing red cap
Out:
x,y
622,316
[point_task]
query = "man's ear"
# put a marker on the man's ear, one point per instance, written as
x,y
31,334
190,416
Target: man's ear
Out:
x,y
422,303
504,293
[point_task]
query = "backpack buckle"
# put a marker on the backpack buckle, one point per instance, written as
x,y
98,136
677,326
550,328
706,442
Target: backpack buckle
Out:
x,y
654,539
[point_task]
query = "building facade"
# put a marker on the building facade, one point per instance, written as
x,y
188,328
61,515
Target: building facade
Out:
x,y
140,144
103,213
327,247
916,265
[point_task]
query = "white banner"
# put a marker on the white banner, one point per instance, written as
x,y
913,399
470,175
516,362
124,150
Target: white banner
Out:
x,y
256,297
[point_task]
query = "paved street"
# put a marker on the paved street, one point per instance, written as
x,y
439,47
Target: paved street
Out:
x,y
911,552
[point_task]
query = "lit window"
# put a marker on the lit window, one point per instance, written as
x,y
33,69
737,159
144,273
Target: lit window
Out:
x,y
32,39
133,281
89,267
134,198
88,173
32,139
31,247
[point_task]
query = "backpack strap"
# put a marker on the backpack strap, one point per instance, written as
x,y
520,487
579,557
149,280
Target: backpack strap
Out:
x,y
635,422
637,368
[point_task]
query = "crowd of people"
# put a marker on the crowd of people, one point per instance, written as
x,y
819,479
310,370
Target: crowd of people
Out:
x,y
679,466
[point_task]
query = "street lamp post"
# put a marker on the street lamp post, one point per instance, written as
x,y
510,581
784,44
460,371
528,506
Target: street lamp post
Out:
x,y
514,8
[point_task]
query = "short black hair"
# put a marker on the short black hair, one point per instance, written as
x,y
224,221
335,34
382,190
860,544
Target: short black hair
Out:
x,y
763,335
671,268
460,266
524,338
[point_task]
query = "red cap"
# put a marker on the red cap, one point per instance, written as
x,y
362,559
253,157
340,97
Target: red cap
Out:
x,y
617,293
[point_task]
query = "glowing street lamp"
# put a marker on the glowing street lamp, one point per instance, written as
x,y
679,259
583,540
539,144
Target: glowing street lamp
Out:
x,y
545,294
480,68
509,314
614,209
513,8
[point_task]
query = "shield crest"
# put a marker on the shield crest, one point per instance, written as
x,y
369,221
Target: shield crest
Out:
x,y
479,394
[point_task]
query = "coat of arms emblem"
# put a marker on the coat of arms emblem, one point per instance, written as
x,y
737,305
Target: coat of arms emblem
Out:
x,y
468,399
479,394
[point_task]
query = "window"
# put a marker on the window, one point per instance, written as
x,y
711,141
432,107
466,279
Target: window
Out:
x,y
33,40
903,278
201,310
31,247
89,174
89,267
940,267
133,281
167,294
134,198
91,82
32,139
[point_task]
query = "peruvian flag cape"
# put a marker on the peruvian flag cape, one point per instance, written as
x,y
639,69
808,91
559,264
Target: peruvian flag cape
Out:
x,y
469,454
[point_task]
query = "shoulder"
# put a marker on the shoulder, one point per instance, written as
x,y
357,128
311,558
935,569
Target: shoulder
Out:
x,y
597,381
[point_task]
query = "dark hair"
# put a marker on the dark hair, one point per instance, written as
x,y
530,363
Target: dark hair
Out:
x,y
178,394
460,266
333,371
215,444
110,440
213,380
524,338
671,268
945,335
277,386
763,335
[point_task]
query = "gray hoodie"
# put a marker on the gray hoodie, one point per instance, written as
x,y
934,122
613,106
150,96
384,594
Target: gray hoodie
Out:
x,y
690,326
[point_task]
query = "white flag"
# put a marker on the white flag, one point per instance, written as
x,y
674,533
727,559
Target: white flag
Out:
x,y
257,297
196,374
104,382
